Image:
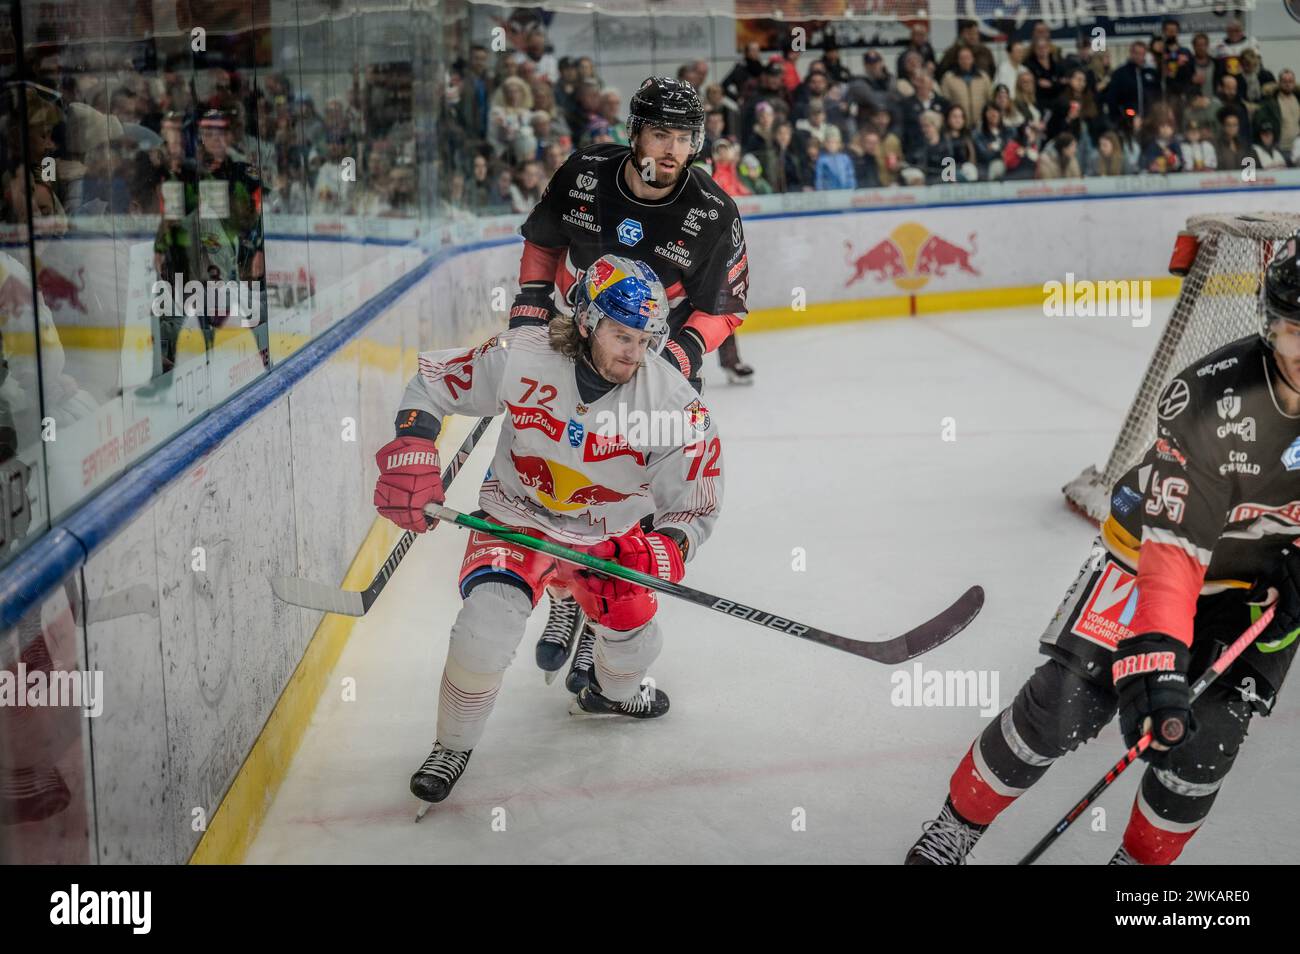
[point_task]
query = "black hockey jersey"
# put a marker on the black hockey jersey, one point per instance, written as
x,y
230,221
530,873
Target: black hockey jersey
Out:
x,y
693,238
1217,496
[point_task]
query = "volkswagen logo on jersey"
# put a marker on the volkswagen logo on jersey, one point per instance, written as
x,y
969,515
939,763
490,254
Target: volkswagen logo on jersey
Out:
x,y
735,232
630,231
1174,400
1291,456
576,431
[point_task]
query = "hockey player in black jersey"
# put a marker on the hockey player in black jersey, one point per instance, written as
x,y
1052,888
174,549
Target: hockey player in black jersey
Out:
x,y
646,202
1212,509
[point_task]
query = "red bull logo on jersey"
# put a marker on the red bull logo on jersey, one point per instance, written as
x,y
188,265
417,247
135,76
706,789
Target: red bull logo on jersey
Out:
x,y
909,257
563,489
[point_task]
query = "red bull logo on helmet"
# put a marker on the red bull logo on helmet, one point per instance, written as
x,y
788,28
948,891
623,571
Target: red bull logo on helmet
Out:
x,y
909,257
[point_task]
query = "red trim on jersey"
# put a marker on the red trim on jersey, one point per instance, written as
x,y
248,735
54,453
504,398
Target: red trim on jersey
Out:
x,y
1168,582
1150,845
713,329
974,800
539,263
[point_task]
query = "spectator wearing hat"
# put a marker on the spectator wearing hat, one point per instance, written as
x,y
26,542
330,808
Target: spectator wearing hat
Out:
x,y
874,89
751,175
771,90
758,139
1267,155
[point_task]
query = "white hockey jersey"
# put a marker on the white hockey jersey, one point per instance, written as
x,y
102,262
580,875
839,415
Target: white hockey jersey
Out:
x,y
580,473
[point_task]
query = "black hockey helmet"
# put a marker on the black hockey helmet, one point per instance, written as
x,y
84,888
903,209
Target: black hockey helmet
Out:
x,y
668,103
1280,296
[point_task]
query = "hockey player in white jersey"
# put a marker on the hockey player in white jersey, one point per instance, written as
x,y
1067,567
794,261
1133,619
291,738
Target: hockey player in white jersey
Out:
x,y
595,438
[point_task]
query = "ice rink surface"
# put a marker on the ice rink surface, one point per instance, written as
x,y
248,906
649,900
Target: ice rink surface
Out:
x,y
837,450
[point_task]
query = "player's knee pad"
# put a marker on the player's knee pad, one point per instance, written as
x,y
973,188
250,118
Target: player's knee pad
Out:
x,y
628,652
1182,787
1057,710
489,626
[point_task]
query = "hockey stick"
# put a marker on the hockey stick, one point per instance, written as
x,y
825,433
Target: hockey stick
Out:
x,y
922,639
1133,754
331,599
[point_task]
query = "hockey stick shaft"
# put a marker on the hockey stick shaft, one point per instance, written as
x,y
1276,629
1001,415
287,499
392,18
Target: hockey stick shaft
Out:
x,y
331,599
900,648
1132,755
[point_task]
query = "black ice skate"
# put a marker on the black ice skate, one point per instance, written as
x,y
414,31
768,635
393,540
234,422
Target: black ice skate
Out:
x,y
584,658
649,703
946,840
434,780
729,357
555,643
1122,857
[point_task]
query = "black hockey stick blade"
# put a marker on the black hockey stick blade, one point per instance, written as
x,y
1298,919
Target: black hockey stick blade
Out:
x,y
331,599
930,634
922,639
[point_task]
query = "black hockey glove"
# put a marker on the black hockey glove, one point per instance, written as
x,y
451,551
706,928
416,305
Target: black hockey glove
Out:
x,y
1150,675
533,305
1286,581
685,352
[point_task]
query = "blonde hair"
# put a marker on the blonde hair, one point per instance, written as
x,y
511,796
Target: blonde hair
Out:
x,y
565,338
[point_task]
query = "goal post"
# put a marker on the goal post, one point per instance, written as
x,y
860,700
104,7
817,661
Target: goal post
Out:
x,y
1222,258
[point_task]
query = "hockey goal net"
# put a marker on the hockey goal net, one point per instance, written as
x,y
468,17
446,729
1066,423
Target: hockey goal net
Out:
x,y
1223,257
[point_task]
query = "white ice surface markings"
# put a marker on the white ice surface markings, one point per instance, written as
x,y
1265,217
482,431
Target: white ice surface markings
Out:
x,y
837,450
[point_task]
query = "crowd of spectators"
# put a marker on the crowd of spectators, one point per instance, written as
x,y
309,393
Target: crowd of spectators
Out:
x,y
968,113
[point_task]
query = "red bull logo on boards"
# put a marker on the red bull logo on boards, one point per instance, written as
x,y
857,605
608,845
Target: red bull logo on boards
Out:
x,y
909,257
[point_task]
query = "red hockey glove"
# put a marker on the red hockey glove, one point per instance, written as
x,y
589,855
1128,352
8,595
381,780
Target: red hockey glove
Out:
x,y
654,554
408,481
